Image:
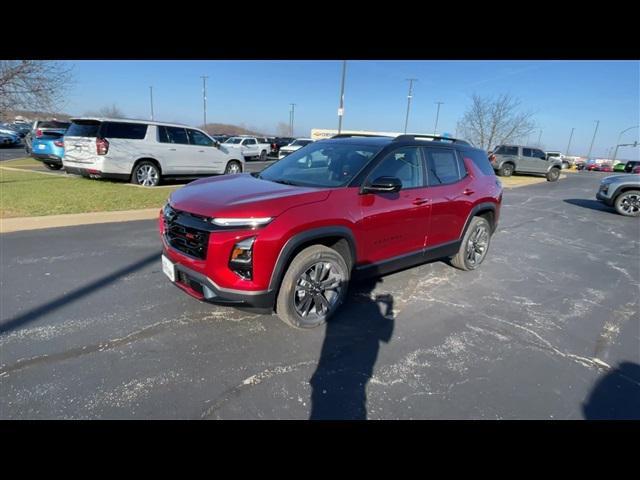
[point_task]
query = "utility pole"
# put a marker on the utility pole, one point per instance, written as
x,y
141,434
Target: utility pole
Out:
x,y
406,121
435,129
593,139
204,99
539,137
341,108
570,138
293,110
151,96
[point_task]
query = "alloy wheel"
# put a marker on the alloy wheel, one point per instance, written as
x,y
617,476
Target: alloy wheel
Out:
x,y
477,245
318,290
147,176
630,204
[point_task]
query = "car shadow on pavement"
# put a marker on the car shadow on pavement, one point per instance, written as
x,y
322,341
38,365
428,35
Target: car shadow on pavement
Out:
x,y
591,204
349,353
616,395
65,299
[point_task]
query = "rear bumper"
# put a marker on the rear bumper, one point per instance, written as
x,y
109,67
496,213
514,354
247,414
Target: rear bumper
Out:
x,y
203,288
89,172
47,158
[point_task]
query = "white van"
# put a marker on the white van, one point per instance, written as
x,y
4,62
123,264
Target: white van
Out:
x,y
143,151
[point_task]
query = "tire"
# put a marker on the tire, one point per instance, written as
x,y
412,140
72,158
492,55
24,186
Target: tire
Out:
x,y
146,174
233,167
263,155
472,240
506,170
53,166
553,175
299,304
628,203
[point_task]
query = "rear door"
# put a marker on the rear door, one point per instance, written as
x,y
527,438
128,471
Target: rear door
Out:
x,y
527,161
80,141
539,162
174,147
449,194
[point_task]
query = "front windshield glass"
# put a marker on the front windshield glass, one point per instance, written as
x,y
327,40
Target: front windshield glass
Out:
x,y
321,164
235,140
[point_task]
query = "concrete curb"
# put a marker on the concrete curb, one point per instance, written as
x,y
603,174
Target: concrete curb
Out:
x,y
69,220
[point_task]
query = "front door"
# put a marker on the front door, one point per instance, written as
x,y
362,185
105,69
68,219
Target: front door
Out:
x,y
396,224
250,147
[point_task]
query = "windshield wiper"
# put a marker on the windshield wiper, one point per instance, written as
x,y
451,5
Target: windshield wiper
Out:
x,y
287,182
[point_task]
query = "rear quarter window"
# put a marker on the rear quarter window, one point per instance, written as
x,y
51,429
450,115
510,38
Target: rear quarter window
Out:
x,y
480,160
133,131
504,150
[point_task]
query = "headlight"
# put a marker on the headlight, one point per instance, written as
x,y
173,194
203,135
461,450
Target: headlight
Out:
x,y
241,222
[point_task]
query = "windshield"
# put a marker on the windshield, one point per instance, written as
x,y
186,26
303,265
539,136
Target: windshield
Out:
x,y
320,164
235,140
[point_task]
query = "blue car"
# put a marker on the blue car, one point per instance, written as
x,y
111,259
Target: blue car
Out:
x,y
49,149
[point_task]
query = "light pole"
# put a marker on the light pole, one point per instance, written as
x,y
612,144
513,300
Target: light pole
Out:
x,y
204,99
593,139
569,145
292,113
539,137
619,136
341,108
435,129
151,99
406,120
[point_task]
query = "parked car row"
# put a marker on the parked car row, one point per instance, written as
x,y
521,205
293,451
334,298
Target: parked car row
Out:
x,y
628,167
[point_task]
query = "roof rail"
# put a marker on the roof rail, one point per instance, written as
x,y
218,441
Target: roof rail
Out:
x,y
348,135
435,138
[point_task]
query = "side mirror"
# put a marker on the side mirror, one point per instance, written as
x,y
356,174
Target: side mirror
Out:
x,y
383,185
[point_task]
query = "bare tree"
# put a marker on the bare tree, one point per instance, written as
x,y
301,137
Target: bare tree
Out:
x,y
489,122
32,85
110,111
282,129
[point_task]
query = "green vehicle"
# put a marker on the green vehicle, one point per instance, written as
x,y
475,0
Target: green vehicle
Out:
x,y
618,167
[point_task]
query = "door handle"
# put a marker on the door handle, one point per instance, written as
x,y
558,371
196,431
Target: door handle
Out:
x,y
420,201
468,191
172,149
201,151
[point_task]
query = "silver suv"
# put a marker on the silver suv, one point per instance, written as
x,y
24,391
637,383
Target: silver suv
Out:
x,y
144,152
509,159
621,192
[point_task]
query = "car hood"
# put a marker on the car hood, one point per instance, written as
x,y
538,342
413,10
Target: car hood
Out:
x,y
241,196
625,177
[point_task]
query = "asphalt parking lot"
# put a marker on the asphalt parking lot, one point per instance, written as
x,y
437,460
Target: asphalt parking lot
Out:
x,y
547,328
12,152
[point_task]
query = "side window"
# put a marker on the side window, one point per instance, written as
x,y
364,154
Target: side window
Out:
x,y
176,135
539,154
251,141
527,152
481,161
461,166
442,166
404,164
198,138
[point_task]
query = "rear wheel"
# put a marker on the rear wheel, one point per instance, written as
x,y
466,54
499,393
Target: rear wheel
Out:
x,y
628,203
475,245
313,287
506,170
233,167
553,174
146,173
53,166
263,155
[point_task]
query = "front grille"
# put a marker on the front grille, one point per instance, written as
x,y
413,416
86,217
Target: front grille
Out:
x,y
187,239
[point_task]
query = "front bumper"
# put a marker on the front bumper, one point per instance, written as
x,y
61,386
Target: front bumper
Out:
x,y
603,197
203,288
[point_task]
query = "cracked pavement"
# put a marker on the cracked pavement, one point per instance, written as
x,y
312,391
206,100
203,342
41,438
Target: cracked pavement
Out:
x,y
91,328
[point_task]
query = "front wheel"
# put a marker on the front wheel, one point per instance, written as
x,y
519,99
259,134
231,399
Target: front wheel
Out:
x,y
53,166
146,174
475,245
233,167
553,174
313,287
628,203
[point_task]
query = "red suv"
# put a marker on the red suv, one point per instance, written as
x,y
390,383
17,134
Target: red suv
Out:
x,y
291,237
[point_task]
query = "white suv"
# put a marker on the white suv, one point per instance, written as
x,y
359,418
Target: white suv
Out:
x,y
143,151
